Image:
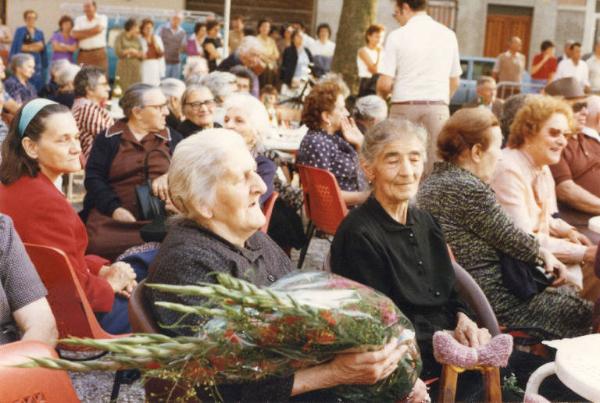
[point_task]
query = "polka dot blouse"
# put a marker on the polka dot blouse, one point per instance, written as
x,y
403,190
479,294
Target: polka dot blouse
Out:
x,y
333,153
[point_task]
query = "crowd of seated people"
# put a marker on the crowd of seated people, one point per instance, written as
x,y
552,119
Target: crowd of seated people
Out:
x,y
491,203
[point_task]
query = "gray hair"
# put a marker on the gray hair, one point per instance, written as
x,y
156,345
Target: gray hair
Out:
x,y
255,112
250,44
19,60
66,75
370,107
485,79
134,97
190,90
172,87
57,65
388,131
197,166
87,79
221,84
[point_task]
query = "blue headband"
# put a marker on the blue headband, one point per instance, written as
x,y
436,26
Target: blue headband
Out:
x,y
30,110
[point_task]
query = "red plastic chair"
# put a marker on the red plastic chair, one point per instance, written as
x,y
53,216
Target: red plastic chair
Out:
x,y
32,384
268,210
74,316
323,203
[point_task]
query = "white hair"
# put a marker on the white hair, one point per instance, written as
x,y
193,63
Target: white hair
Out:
x,y
221,84
172,87
255,113
57,65
66,74
196,167
371,107
249,44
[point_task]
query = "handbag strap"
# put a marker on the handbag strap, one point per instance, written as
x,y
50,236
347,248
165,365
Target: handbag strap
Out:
x,y
146,168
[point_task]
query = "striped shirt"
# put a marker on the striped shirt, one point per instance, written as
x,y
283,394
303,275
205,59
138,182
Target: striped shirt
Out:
x,y
91,119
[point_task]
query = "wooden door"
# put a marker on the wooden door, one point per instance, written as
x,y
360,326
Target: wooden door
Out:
x,y
500,28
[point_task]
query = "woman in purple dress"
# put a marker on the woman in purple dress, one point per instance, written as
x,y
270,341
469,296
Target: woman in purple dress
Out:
x,y
63,44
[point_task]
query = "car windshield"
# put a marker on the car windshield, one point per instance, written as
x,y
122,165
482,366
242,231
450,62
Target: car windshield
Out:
x,y
482,68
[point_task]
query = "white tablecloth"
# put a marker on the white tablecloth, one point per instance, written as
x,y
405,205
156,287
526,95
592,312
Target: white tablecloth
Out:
x,y
286,139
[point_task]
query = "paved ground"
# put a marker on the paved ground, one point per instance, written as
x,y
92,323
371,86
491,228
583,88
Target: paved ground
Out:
x,y
96,387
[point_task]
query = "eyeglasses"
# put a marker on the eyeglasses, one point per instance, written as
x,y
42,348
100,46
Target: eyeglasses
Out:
x,y
557,132
578,106
158,107
197,105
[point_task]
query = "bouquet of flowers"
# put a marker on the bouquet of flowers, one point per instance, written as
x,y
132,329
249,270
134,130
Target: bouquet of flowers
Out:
x,y
249,333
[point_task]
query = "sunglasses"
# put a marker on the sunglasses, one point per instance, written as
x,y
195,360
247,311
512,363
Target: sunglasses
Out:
x,y
578,106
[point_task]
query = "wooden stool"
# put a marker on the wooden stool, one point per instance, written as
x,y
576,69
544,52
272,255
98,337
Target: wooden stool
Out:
x,y
491,376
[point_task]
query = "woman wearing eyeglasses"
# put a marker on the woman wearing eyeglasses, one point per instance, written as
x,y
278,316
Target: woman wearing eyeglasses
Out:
x,y
198,105
525,188
116,166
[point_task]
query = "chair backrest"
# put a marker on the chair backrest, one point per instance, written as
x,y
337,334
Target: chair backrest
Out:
x,y
74,316
322,198
32,384
473,296
140,316
268,210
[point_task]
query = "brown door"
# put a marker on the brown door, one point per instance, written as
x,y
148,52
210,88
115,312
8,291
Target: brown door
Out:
x,y
500,28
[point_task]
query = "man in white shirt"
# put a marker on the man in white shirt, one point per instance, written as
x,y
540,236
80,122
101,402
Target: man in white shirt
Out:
x,y
574,67
421,69
90,30
594,67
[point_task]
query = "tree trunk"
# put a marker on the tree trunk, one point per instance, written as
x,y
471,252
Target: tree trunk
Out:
x,y
356,17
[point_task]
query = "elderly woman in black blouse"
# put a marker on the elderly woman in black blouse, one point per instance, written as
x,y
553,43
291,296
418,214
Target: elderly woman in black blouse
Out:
x,y
332,141
214,184
399,249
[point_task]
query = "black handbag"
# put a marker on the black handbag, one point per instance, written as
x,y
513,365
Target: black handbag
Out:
x,y
523,279
150,207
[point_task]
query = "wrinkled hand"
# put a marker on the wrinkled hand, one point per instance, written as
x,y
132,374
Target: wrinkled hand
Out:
x,y
367,368
120,276
351,132
590,254
469,334
123,215
160,187
554,266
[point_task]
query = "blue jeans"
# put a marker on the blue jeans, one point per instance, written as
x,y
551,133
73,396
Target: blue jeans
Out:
x,y
173,71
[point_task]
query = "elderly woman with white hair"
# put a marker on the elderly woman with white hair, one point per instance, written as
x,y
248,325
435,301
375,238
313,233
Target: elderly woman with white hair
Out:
x,y
398,249
65,78
222,85
173,89
368,111
214,184
248,117
19,85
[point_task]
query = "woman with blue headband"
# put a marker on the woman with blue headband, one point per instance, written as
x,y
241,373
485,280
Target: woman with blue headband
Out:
x,y
41,146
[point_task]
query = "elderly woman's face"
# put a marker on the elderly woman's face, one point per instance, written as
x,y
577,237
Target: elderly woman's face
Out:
x,y
100,92
546,146
27,69
58,149
397,170
489,158
199,108
339,112
237,120
237,208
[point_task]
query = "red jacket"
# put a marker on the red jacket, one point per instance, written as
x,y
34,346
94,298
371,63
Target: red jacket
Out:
x,y
43,216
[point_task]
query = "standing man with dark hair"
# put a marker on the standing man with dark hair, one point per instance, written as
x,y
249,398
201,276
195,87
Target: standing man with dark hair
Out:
x,y
544,64
574,67
421,69
174,41
90,31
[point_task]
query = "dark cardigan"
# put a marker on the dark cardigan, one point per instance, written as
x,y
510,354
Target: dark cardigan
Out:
x,y
99,193
289,61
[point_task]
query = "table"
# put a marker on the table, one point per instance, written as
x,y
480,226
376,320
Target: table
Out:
x,y
287,140
577,365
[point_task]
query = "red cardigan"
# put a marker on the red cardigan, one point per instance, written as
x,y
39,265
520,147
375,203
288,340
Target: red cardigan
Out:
x,y
43,216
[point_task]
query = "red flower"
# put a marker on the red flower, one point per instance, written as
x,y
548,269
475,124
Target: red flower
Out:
x,y
231,336
320,337
328,317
